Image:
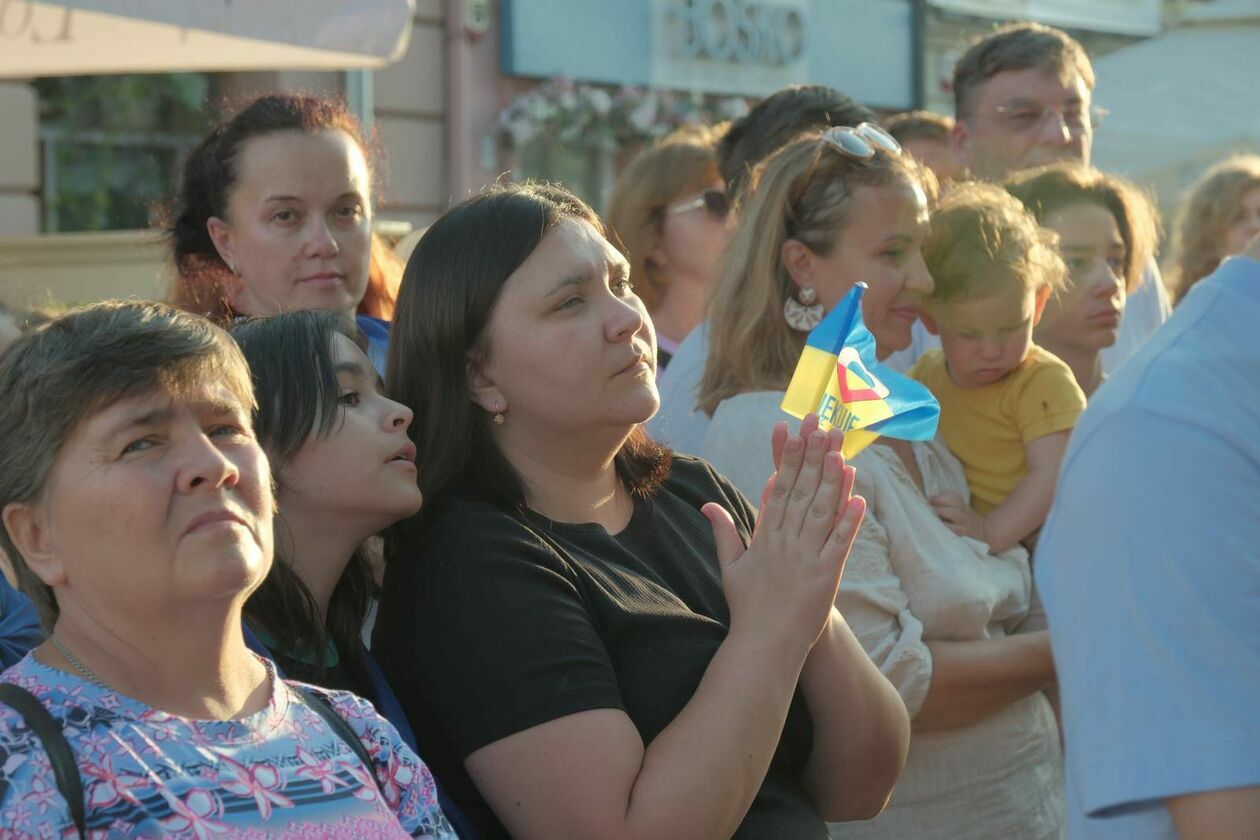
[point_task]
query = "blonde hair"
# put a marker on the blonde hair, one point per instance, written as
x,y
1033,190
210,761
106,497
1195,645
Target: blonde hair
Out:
x,y
1208,209
682,163
983,242
1047,189
802,192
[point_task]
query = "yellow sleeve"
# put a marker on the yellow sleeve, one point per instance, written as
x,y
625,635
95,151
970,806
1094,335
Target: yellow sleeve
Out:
x,y
925,367
1049,402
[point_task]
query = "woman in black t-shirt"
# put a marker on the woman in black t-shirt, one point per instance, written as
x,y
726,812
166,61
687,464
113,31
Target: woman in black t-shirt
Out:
x,y
591,638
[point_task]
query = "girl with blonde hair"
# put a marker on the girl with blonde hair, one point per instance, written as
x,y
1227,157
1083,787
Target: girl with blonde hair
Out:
x,y
669,211
1220,215
956,629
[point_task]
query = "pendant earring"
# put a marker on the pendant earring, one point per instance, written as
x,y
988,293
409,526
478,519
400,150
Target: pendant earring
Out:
x,y
499,419
803,312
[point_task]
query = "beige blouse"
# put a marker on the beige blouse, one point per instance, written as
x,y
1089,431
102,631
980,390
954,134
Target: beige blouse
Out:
x,y
909,579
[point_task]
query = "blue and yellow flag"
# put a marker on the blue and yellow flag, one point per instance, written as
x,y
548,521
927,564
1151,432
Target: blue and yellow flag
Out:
x,y
839,379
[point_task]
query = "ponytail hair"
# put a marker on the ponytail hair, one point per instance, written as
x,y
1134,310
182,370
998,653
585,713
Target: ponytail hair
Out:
x,y
804,192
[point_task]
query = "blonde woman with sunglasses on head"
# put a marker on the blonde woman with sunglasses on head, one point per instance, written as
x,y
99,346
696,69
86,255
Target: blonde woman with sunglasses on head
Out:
x,y
958,631
669,211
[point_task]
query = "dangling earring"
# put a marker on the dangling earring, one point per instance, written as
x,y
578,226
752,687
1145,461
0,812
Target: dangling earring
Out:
x,y
499,419
803,312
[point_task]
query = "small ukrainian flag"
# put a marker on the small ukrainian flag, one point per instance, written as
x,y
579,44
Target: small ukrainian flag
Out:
x,y
839,379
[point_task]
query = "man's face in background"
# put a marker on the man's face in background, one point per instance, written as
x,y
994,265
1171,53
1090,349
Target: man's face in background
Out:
x,y
1024,118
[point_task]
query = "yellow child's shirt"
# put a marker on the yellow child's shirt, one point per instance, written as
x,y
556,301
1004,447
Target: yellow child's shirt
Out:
x,y
987,428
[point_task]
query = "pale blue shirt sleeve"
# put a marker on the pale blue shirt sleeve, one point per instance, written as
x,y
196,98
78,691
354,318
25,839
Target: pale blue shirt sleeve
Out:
x,y
1149,567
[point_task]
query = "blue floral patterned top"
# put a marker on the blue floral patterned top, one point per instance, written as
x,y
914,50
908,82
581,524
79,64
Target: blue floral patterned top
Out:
x,y
281,772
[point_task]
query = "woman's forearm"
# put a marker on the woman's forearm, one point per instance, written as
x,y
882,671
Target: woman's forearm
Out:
x,y
861,728
975,679
700,774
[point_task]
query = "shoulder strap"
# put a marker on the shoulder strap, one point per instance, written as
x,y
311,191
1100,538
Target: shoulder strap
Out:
x,y
323,707
48,731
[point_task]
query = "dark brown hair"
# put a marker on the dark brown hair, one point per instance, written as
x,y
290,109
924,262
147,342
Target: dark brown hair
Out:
x,y
919,125
209,176
450,288
1057,185
777,120
1015,46
295,383
74,367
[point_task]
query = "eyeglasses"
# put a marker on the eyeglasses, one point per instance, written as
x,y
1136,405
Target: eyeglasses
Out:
x,y
1031,117
861,142
714,201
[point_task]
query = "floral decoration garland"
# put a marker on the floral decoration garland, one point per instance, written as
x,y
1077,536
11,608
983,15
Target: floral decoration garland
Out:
x,y
587,115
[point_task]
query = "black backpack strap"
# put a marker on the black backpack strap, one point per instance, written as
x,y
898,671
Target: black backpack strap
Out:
x,y
323,707
48,731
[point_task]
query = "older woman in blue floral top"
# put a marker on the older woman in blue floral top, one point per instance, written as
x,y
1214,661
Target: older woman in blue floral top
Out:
x,y
137,510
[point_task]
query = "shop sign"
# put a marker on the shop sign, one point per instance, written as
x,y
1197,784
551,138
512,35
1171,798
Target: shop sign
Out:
x,y
738,31
720,47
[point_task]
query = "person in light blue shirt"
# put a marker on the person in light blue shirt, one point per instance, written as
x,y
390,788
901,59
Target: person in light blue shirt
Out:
x,y
1149,568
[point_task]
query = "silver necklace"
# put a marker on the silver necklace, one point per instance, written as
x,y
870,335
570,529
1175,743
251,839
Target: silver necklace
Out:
x,y
78,666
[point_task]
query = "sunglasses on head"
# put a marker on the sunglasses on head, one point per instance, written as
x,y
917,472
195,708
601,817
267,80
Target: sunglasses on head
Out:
x,y
713,200
862,142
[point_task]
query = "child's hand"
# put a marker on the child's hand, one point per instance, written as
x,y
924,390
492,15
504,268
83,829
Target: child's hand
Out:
x,y
959,516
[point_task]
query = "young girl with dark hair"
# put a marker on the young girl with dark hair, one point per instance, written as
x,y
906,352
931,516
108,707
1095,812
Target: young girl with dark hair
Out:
x,y
593,638
343,470
274,214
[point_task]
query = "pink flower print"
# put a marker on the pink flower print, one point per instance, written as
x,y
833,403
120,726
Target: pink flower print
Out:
x,y
41,795
399,777
301,734
367,782
98,741
108,786
260,781
321,770
194,813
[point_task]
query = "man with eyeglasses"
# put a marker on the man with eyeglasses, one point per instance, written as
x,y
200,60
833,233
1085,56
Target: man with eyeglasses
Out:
x,y
1023,97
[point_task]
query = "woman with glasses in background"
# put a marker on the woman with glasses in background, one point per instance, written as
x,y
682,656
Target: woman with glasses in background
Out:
x,y
669,210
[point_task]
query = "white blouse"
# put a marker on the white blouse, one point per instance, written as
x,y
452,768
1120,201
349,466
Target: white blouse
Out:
x,y
910,580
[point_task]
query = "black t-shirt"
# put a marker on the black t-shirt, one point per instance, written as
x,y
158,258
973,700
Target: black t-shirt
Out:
x,y
525,620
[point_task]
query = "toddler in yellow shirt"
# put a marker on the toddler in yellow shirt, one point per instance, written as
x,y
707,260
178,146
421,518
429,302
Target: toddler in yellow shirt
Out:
x,y
1007,406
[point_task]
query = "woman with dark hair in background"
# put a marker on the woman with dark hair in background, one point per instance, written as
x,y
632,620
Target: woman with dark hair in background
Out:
x,y
1107,230
274,214
669,211
584,638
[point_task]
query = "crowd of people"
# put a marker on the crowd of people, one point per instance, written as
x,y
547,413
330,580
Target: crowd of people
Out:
x,y
515,542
